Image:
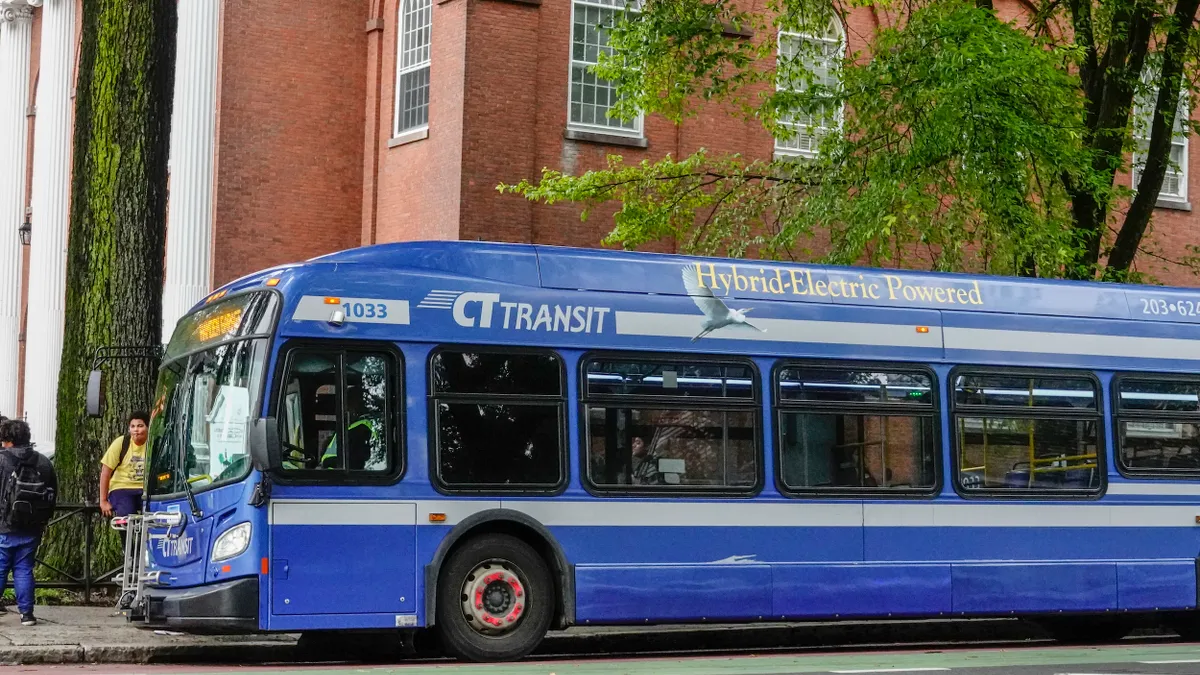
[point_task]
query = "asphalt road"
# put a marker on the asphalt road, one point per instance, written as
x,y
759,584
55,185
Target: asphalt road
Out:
x,y
1137,659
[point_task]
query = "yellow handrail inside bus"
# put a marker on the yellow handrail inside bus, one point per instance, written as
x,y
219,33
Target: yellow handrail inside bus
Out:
x,y
1032,452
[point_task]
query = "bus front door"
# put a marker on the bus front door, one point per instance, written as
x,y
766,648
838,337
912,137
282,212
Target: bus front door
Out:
x,y
338,545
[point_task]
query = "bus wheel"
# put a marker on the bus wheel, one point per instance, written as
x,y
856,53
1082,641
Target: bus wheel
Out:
x,y
495,599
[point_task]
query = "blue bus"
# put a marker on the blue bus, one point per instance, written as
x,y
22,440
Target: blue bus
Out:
x,y
495,440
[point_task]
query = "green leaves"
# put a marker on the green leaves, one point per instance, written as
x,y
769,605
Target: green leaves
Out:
x,y
675,53
957,142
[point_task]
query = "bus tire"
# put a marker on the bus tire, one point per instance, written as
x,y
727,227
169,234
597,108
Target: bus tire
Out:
x,y
495,599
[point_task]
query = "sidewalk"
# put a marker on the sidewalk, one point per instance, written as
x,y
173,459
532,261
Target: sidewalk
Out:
x,y
96,635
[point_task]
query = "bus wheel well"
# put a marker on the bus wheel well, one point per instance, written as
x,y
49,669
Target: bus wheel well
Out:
x,y
533,534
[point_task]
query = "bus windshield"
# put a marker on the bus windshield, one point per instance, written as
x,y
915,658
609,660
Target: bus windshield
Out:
x,y
206,396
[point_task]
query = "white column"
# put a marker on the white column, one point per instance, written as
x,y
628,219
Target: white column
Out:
x,y
16,26
51,197
193,130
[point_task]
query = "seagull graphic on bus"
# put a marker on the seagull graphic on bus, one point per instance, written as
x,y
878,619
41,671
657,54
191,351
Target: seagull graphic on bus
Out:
x,y
717,314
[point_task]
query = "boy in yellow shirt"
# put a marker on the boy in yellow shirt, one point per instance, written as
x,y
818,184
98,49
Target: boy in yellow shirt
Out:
x,y
123,469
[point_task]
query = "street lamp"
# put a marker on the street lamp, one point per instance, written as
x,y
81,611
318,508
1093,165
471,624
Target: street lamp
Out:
x,y
26,229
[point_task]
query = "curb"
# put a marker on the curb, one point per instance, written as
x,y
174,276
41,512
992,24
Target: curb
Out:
x,y
236,652
21,655
244,652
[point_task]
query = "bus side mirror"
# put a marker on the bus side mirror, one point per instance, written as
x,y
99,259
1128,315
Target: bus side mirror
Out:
x,y
95,393
264,444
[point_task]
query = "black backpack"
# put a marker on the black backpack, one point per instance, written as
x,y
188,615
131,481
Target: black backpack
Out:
x,y
28,503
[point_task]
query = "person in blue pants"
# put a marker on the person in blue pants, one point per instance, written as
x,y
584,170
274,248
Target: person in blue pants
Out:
x,y
28,493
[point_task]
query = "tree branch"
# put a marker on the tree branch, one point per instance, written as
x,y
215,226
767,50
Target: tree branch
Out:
x,y
1085,38
1162,130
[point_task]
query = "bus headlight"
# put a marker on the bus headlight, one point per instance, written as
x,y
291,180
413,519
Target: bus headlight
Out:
x,y
232,542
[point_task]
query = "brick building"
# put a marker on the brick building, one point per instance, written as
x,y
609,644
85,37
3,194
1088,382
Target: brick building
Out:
x,y
304,128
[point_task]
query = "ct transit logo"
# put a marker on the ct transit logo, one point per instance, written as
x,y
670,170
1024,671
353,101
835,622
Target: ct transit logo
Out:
x,y
489,310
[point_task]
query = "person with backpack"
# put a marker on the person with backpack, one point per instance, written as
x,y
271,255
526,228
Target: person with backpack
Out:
x,y
28,495
123,469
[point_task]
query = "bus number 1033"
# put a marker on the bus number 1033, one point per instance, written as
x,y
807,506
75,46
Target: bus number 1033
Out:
x,y
1162,307
365,310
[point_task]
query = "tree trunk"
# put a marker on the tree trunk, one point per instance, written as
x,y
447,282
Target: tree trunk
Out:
x,y
1162,129
116,245
1108,84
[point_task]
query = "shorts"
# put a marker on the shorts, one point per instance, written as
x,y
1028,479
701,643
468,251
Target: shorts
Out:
x,y
125,502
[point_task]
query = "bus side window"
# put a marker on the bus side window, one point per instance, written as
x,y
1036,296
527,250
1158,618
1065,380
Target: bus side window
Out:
x,y
498,420
334,413
846,429
1158,425
1027,430
665,424
366,404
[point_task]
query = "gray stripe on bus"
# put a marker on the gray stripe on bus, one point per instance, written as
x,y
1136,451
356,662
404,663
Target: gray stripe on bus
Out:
x,y
1080,344
781,330
906,335
663,513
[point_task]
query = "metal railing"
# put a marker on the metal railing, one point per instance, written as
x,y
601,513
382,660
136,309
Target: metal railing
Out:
x,y
87,581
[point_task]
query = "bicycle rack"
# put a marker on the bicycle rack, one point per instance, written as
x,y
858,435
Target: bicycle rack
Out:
x,y
137,554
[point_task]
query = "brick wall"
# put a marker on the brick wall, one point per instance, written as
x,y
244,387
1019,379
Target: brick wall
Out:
x,y
560,224
501,130
419,182
518,69
1171,232
291,102
498,112
1171,229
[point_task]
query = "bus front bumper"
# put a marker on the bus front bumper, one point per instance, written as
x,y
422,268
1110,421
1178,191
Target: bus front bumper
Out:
x,y
228,606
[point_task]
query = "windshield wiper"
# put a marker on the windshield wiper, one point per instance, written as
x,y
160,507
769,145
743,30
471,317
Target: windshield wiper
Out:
x,y
181,469
191,496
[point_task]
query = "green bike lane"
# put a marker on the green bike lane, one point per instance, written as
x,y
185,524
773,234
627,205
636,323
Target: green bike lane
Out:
x,y
1157,659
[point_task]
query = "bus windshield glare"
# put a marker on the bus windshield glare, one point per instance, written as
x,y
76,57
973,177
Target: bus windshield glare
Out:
x,y
209,388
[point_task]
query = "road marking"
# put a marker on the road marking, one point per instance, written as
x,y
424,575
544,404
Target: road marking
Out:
x,y
888,670
891,670
1152,663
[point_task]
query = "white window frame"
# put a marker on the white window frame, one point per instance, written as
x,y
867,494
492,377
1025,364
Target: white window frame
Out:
x,y
616,6
402,70
836,37
1179,137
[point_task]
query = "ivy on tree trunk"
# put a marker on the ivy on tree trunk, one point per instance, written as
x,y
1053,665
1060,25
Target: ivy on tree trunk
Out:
x,y
116,244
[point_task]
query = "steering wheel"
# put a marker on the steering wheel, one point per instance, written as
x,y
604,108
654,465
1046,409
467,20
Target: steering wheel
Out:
x,y
309,462
235,467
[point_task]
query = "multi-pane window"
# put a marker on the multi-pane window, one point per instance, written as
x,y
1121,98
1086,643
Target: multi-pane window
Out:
x,y
412,65
591,96
671,424
1027,431
856,429
1174,185
337,414
498,419
1158,425
819,56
